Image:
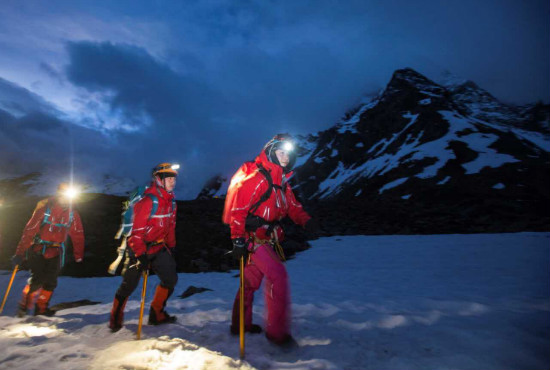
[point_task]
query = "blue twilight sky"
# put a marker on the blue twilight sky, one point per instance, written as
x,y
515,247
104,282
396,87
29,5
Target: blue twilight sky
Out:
x,y
117,86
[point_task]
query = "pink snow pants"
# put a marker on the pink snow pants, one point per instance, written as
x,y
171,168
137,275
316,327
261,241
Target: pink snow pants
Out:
x,y
264,261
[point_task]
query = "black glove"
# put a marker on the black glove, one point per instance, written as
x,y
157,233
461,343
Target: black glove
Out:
x,y
16,260
143,260
312,226
239,248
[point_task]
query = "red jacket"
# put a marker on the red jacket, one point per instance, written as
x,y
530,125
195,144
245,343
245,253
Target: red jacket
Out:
x,y
159,229
280,203
52,231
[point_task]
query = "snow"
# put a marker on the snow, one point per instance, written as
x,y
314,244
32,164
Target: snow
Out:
x,y
499,186
425,101
539,139
359,145
478,301
447,178
476,141
333,181
385,143
350,124
406,196
438,150
392,184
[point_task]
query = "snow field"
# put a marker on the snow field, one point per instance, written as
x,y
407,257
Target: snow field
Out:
x,y
359,302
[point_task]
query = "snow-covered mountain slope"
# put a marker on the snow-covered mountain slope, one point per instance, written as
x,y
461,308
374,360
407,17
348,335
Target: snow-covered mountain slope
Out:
x,y
418,136
359,302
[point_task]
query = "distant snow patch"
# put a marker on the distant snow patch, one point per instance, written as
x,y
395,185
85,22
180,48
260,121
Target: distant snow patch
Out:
x,y
334,153
499,186
359,145
445,180
392,184
406,196
358,192
425,101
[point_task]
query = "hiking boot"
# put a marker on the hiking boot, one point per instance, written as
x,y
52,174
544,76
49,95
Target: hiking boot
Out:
x,y
117,313
21,311
162,318
157,314
42,301
43,311
253,329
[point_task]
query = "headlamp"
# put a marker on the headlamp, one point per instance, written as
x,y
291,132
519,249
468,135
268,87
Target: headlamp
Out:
x,y
287,146
175,167
71,192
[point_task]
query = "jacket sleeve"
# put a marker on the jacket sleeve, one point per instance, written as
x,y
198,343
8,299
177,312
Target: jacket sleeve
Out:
x,y
76,232
295,210
32,228
171,237
248,194
136,241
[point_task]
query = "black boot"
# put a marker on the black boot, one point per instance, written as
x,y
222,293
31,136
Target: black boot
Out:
x,y
21,311
162,318
43,311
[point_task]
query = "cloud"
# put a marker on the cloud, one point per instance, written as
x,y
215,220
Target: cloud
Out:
x,y
19,101
34,137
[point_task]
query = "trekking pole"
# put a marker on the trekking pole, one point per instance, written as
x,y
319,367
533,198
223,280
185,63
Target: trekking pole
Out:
x,y
9,287
241,309
145,274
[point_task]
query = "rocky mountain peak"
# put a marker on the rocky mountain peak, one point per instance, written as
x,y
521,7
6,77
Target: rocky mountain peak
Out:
x,y
409,79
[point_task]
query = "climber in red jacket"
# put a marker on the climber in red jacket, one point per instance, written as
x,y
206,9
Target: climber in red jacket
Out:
x,y
258,199
152,242
43,245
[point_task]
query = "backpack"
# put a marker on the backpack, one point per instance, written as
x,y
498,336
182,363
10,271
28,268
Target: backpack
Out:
x,y
127,222
247,170
46,221
127,216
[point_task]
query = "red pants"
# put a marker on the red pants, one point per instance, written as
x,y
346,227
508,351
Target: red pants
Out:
x,y
264,261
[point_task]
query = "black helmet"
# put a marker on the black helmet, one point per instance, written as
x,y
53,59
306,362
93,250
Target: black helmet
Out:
x,y
285,142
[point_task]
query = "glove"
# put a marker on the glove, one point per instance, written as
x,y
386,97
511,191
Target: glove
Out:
x,y
143,260
239,248
312,226
16,260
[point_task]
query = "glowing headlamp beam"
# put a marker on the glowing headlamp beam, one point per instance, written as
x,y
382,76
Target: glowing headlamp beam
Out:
x,y
71,193
287,146
175,167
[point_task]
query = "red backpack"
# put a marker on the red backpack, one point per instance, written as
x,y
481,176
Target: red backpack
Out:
x,y
247,170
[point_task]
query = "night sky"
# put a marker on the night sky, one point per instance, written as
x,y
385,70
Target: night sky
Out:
x,y
111,87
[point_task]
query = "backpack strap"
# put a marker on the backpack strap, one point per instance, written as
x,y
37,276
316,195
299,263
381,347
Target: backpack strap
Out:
x,y
47,215
265,196
155,206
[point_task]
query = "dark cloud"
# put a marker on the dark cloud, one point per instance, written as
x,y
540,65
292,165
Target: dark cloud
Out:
x,y
183,118
140,83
